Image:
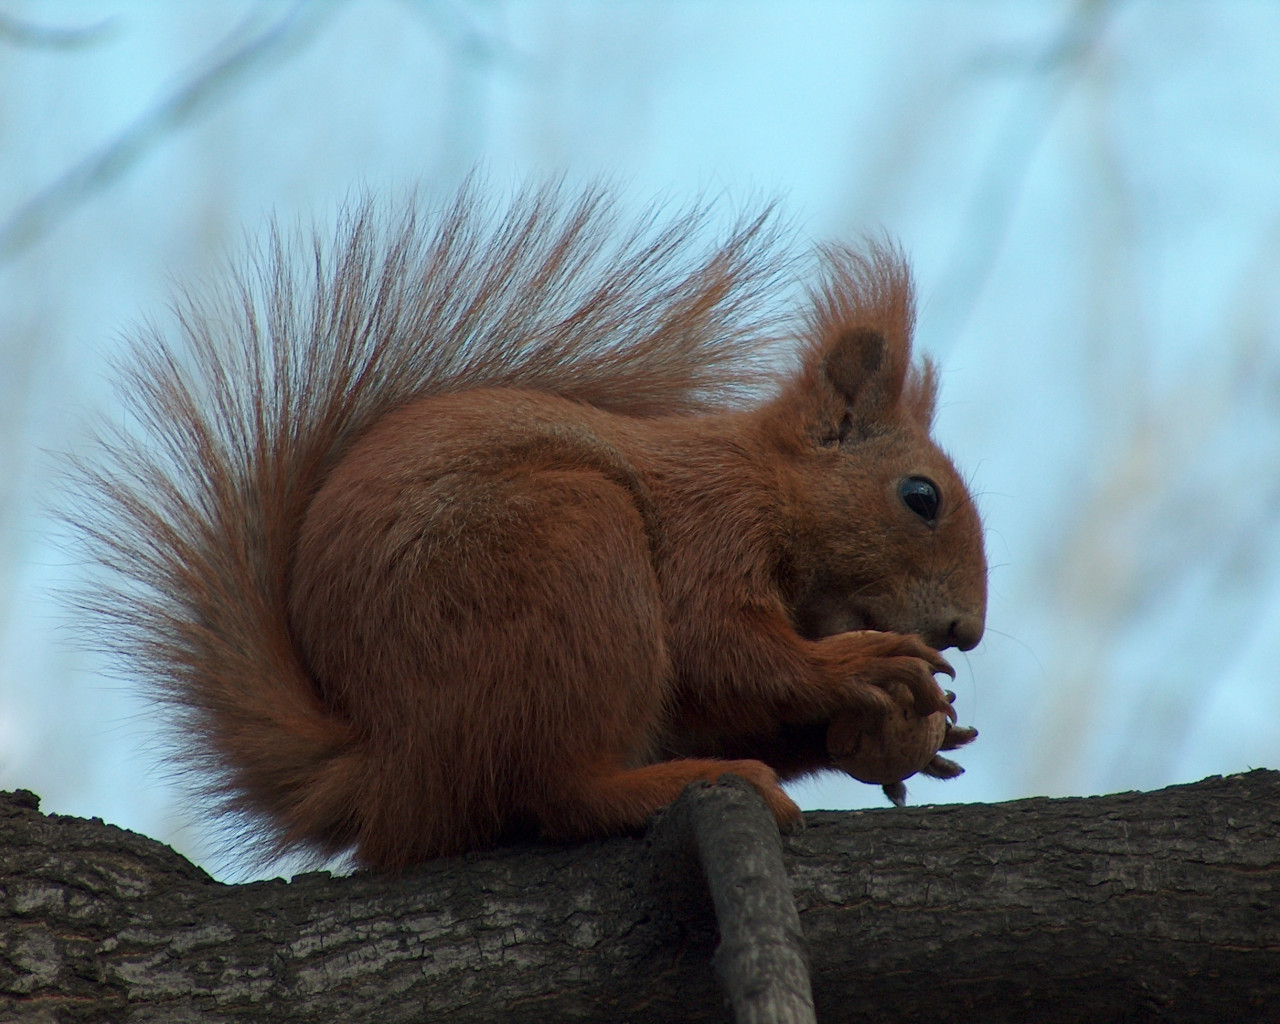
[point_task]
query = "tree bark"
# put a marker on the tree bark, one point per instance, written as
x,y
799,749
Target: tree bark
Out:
x,y
1135,907
760,959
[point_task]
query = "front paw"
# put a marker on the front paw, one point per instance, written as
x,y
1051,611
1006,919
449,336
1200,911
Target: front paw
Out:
x,y
892,662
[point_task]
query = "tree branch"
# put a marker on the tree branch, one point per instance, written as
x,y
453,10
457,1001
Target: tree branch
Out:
x,y
760,960
1135,907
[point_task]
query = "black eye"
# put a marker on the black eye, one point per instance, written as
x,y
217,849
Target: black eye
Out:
x,y
921,496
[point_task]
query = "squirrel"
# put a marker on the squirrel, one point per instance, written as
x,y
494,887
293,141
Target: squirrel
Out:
x,y
510,520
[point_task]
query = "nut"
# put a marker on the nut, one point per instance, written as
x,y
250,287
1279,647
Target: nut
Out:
x,y
885,749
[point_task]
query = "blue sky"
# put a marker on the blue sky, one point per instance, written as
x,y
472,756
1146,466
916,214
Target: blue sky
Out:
x,y
1089,192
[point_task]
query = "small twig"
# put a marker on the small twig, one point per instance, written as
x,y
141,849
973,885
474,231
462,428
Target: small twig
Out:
x,y
761,960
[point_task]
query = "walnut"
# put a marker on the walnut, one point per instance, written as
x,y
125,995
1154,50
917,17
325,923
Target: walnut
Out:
x,y
887,749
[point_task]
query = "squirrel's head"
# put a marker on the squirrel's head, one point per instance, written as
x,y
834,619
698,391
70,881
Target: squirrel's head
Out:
x,y
883,533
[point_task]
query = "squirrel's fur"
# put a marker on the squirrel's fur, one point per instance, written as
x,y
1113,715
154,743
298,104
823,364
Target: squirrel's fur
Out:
x,y
492,523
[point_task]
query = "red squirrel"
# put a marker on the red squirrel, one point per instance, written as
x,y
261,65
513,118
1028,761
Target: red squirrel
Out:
x,y
489,524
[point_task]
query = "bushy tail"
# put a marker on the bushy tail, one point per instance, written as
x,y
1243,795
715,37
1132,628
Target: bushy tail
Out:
x,y
194,507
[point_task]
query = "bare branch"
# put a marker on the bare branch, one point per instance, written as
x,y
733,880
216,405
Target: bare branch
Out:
x,y
38,215
989,211
29,35
761,960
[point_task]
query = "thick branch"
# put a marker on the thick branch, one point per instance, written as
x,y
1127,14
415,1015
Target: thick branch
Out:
x,y
1137,907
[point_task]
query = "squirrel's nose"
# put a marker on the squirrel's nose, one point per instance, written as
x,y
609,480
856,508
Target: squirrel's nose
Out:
x,y
965,632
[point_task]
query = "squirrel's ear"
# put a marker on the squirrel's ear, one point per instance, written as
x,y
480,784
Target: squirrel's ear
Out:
x,y
859,329
867,370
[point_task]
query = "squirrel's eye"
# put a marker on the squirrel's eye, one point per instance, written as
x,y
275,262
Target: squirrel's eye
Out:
x,y
921,496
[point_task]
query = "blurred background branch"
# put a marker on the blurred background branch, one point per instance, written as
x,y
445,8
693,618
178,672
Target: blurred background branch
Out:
x,y
1045,79
233,64
17,32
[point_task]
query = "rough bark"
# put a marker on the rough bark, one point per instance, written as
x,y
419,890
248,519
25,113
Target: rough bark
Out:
x,y
1136,907
760,959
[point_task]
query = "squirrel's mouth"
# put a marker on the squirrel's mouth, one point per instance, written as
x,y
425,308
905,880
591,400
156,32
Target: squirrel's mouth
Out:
x,y
819,622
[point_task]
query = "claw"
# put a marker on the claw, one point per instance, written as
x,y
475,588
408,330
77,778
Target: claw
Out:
x,y
958,736
927,700
896,792
950,695
941,768
925,696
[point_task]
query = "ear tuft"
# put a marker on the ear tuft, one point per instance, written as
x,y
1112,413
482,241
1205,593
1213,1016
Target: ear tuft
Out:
x,y
920,395
859,329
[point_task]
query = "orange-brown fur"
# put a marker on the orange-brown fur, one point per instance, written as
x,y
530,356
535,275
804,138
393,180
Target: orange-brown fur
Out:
x,y
473,528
